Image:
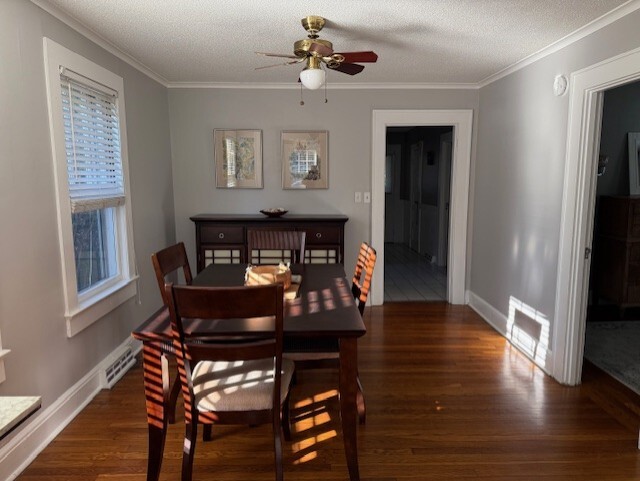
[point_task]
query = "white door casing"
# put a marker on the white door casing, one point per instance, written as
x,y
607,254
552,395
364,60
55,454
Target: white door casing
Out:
x,y
462,121
444,188
585,110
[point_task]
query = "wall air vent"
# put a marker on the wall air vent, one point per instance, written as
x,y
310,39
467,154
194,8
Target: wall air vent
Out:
x,y
120,364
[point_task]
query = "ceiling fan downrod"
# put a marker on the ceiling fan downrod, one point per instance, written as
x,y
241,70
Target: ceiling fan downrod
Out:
x,y
313,24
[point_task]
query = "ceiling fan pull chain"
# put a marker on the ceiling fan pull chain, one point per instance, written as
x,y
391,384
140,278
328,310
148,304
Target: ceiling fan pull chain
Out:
x,y
325,91
301,99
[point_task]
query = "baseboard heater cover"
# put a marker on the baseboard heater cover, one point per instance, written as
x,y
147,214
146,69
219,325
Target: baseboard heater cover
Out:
x,y
116,369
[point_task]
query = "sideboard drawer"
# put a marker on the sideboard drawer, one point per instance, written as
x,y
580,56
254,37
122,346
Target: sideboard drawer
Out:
x,y
221,234
323,235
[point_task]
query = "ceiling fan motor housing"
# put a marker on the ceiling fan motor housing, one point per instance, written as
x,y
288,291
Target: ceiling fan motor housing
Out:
x,y
301,47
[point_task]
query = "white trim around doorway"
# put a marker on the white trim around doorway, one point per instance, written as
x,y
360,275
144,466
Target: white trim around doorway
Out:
x,y
585,110
462,121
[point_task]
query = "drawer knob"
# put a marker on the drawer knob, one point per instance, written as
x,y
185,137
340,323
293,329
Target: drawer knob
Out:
x,y
318,235
221,235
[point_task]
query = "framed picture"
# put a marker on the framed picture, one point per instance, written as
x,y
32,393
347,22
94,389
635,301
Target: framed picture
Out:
x,y
634,168
305,160
238,158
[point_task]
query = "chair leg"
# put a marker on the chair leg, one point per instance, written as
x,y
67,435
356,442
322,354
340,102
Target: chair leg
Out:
x,y
173,399
362,408
286,419
277,445
206,432
189,448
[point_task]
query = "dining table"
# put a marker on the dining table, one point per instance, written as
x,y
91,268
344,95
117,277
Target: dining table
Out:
x,y
323,309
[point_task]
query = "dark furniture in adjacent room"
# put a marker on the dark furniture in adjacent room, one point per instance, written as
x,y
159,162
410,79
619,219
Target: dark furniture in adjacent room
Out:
x,y
618,247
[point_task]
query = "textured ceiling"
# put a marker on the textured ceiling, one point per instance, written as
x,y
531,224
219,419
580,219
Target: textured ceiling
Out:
x,y
418,41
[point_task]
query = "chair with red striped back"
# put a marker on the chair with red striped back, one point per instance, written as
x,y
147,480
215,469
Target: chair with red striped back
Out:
x,y
320,353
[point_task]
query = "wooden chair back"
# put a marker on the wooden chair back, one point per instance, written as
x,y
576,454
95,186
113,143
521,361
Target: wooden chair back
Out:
x,y
166,262
361,284
195,310
273,246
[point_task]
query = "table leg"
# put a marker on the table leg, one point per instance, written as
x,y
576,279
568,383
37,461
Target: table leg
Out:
x,y
348,406
156,390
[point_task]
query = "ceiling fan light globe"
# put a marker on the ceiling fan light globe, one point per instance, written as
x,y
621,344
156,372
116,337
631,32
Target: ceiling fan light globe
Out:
x,y
312,78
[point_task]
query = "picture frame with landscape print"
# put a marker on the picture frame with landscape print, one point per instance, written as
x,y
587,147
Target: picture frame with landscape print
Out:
x,y
238,158
305,159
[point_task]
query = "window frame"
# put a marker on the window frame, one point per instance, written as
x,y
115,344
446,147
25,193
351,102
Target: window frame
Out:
x,y
83,309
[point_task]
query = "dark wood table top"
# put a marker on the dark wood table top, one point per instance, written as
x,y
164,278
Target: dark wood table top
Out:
x,y
324,307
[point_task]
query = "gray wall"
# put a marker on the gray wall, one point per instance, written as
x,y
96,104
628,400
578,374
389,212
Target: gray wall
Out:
x,y
519,173
43,361
194,113
620,115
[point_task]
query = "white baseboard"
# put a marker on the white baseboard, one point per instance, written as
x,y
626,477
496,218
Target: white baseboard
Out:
x,y
499,322
494,317
30,439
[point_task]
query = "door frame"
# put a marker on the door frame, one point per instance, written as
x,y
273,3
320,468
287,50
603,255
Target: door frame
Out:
x,y
462,122
583,135
444,188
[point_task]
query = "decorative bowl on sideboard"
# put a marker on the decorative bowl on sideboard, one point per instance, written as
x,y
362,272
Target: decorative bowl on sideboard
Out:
x,y
277,212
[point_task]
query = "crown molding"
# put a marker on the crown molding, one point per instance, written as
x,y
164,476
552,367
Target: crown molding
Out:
x,y
330,86
593,26
97,39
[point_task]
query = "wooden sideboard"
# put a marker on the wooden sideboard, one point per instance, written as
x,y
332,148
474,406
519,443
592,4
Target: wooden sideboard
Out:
x,y
618,265
222,238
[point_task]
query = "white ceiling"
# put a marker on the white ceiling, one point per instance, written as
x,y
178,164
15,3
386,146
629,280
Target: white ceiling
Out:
x,y
418,41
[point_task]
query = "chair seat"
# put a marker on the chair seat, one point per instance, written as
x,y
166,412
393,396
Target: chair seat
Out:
x,y
238,385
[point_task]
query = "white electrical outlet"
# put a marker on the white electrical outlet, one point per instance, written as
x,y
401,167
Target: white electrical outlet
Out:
x,y
358,197
367,197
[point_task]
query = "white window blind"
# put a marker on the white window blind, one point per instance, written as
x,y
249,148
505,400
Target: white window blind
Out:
x,y
92,143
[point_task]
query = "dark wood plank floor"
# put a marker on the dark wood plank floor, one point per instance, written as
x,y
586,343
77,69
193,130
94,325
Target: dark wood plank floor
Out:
x,y
448,399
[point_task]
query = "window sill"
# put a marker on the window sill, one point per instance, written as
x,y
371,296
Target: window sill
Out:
x,y
14,410
99,306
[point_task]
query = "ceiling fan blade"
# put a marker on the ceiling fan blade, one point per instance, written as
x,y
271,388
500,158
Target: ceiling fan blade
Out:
x,y
267,54
280,64
320,49
348,68
351,57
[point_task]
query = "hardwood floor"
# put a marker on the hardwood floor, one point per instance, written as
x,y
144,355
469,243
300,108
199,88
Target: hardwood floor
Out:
x,y
447,399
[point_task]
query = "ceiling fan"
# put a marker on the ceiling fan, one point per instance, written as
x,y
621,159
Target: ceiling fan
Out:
x,y
317,52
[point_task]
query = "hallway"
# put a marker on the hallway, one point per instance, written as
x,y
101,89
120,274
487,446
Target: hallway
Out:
x,y
408,276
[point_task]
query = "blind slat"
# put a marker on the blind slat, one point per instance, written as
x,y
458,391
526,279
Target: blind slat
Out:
x,y
92,142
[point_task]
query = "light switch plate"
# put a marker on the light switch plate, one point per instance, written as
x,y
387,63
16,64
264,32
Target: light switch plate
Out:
x,y
358,197
367,197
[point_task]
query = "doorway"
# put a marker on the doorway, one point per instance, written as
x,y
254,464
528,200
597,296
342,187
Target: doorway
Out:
x,y
461,120
613,312
417,191
576,232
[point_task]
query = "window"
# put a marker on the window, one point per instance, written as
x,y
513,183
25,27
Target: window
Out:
x,y
87,124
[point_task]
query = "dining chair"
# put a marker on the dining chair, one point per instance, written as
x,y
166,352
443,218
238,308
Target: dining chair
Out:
x,y
166,262
266,246
230,378
320,353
